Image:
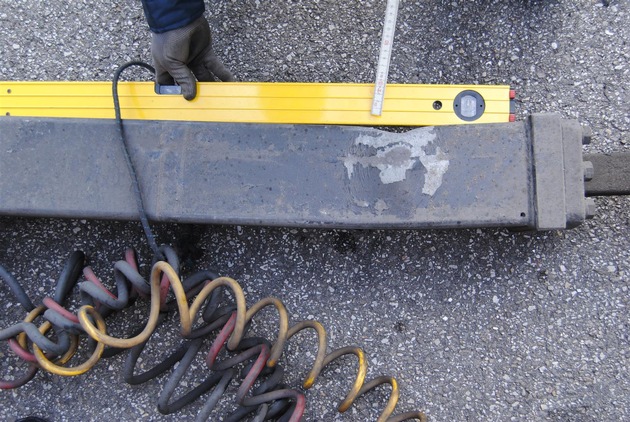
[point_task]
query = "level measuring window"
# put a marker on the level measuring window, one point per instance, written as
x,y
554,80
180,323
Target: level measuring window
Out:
x,y
469,105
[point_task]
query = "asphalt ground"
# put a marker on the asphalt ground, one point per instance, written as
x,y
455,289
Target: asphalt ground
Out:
x,y
480,324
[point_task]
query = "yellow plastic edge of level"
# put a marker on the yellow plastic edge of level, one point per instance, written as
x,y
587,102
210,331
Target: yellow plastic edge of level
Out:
x,y
253,102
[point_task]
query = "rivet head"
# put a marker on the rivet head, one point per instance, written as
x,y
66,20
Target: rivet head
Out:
x,y
587,135
589,170
590,208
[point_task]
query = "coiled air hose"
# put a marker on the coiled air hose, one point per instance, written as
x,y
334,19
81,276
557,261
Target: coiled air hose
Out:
x,y
199,296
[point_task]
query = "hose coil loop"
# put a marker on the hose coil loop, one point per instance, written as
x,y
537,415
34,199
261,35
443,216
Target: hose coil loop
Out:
x,y
202,310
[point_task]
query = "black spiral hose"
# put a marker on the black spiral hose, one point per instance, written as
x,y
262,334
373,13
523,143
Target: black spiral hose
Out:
x,y
270,398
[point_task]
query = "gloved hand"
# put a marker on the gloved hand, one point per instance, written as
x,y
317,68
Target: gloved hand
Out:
x,y
182,54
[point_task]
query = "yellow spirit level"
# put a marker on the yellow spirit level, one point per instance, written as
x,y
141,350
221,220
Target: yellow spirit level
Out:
x,y
269,102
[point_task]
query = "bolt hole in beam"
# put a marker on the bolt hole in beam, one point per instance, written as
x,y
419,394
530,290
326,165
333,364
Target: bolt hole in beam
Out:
x,y
8,91
437,105
523,214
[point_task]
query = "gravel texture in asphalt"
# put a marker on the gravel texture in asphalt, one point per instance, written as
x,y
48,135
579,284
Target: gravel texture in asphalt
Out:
x,y
479,324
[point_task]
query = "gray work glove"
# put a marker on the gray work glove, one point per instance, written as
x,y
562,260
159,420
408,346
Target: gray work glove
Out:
x,y
182,54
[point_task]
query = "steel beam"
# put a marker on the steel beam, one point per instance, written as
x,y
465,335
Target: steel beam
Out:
x,y
523,175
607,174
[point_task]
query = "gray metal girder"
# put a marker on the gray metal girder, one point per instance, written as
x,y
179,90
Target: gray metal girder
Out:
x,y
522,175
